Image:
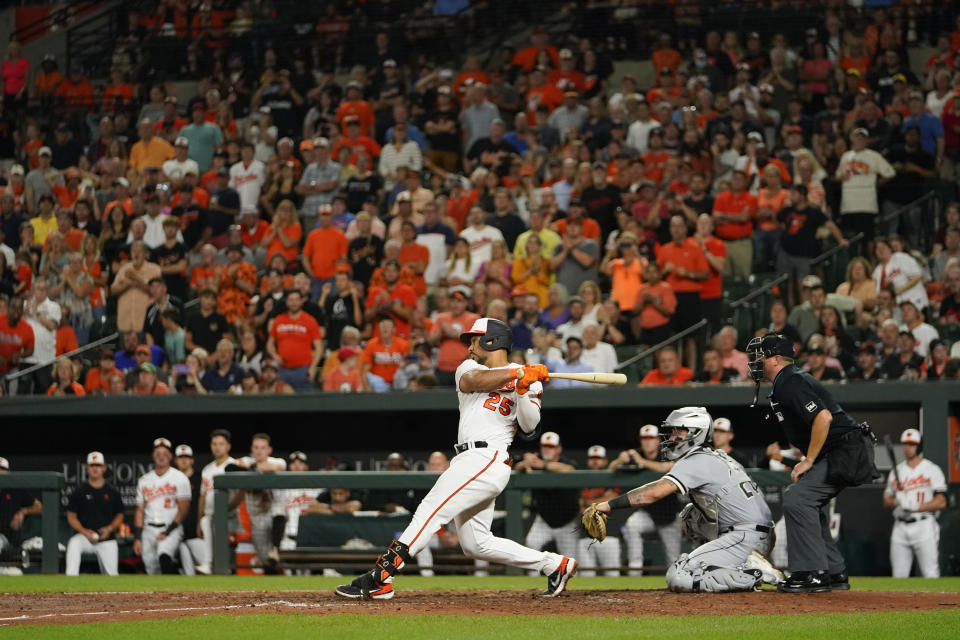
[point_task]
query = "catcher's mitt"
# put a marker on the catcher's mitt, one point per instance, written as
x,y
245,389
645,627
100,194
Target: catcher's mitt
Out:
x,y
595,523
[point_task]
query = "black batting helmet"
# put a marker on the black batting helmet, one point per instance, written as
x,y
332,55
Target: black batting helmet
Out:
x,y
496,334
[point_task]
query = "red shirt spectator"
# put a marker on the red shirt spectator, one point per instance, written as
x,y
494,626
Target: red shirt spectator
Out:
x,y
396,299
734,210
668,372
685,257
16,337
294,335
324,248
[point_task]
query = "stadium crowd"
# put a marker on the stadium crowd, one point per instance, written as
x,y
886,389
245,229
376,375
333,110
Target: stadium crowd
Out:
x,y
284,222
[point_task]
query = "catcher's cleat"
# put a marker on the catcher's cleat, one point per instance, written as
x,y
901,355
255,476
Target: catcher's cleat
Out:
x,y
805,582
840,581
771,575
557,581
365,587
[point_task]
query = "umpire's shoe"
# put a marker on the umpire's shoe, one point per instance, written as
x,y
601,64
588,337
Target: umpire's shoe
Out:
x,y
840,581
805,582
366,587
557,581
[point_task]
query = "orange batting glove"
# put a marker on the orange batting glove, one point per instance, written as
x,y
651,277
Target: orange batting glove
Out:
x,y
529,374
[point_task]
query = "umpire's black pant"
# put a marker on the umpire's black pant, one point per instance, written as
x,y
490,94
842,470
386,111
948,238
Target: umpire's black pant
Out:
x,y
810,546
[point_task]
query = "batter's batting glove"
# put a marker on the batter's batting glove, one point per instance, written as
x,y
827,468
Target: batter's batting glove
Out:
x,y
529,374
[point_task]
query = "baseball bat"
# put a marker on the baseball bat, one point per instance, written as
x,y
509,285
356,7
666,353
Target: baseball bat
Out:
x,y
595,378
893,458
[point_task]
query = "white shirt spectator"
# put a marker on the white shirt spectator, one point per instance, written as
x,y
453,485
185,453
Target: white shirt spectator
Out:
x,y
923,333
262,149
897,272
175,170
603,357
571,329
638,134
480,241
8,254
44,340
862,169
154,236
535,357
391,158
248,181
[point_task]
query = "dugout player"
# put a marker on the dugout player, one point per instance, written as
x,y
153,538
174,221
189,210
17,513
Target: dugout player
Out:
x,y
915,491
728,517
193,551
15,505
220,448
163,499
838,453
267,518
605,554
495,398
94,511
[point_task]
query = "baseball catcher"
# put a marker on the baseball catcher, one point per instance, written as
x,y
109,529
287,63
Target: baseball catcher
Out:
x,y
727,516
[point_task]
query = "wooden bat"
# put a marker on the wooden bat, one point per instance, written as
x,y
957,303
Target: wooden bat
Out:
x,y
893,458
595,378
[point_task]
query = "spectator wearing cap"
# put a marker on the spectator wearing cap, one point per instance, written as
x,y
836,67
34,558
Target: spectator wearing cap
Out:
x,y
345,378
248,176
354,105
75,93
799,242
861,170
492,152
399,154
147,382
142,353
733,213
356,141
900,272
818,362
270,382
95,512
97,381
442,129
47,81
65,149
169,125
177,167
238,282
913,322
202,137
866,370
888,66
526,58
668,371
319,183
570,364
601,199
325,246
567,76
905,363
541,94
150,150
570,115
35,182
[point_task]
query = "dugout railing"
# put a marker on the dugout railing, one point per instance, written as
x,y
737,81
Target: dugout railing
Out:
x,y
513,502
49,484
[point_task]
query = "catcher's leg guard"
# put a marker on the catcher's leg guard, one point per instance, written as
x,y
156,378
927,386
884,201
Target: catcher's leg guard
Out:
x,y
722,579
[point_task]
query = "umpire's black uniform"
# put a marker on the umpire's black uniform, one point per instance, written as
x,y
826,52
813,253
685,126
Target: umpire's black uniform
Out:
x,y
846,459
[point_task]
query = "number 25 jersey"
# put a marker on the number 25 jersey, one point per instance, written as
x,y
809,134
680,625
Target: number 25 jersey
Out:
x,y
490,416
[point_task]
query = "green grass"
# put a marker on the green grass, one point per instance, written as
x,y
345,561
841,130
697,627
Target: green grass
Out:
x,y
136,583
926,625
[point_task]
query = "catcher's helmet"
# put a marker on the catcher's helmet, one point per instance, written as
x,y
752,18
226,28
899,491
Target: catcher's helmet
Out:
x,y
496,334
699,426
772,344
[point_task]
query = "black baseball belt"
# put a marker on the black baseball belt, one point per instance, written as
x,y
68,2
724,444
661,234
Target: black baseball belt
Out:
x,y
762,528
912,519
159,525
466,446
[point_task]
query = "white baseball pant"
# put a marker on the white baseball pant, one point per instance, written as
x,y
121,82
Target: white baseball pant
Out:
x,y
920,540
193,552
153,548
640,523
465,493
107,554
591,554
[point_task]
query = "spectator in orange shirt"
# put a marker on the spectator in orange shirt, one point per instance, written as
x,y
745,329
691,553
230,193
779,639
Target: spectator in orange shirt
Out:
x,y
66,384
771,198
394,298
67,193
526,58
685,268
567,75
446,335
578,211
655,306
382,356
354,138
626,272
147,383
668,371
345,378
413,256
98,378
48,80
715,252
665,56
118,94
471,71
296,343
733,213
325,246
75,92
355,105
238,282
655,160
150,150
543,93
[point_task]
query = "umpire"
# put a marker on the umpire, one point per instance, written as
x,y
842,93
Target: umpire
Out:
x,y
839,454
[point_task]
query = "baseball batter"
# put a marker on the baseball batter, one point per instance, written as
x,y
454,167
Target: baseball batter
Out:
x,y
220,448
727,514
267,518
163,499
94,511
495,397
915,491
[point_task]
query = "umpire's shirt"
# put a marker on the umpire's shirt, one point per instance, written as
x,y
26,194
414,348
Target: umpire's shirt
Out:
x,y
95,508
796,399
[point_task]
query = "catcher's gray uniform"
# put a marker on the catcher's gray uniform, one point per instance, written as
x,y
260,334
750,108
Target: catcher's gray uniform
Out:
x,y
729,512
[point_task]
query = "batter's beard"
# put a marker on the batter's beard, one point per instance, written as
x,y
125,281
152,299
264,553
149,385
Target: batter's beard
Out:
x,y
476,357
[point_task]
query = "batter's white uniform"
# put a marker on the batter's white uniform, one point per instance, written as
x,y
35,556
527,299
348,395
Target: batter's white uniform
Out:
x,y
262,507
466,491
915,534
158,495
209,472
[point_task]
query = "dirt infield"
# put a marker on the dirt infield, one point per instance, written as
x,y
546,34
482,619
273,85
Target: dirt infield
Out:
x,y
27,609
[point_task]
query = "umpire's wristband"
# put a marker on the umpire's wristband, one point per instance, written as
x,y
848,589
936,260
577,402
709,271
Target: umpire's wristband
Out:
x,y
171,528
620,502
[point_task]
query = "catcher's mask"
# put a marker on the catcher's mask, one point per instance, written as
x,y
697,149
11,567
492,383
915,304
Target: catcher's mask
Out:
x,y
758,349
699,426
495,334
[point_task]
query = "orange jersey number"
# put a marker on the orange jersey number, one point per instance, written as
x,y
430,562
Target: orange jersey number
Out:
x,y
505,404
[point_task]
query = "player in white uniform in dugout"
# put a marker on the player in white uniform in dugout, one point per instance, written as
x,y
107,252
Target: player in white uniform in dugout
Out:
x,y
915,491
163,499
495,397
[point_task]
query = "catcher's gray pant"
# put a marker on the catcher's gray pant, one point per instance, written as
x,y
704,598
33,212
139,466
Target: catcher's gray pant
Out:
x,y
716,565
106,551
192,553
565,536
592,555
640,523
809,543
153,548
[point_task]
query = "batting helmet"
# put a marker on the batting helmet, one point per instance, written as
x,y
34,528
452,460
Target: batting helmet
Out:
x,y
496,334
